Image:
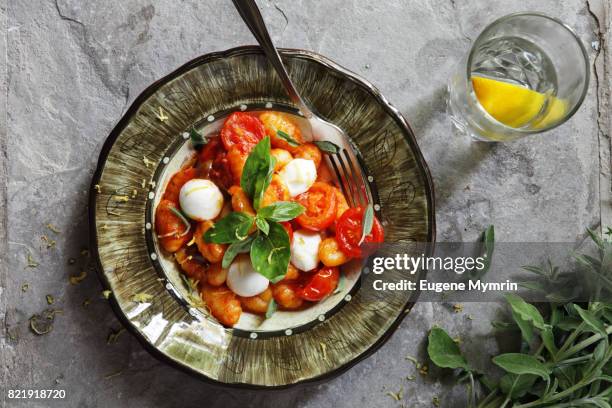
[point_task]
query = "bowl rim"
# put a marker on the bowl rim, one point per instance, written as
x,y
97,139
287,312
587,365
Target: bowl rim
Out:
x,y
122,123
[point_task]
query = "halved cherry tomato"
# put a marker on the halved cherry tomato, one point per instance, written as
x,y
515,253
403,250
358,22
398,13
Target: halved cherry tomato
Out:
x,y
349,229
321,284
321,203
169,227
243,130
177,181
289,229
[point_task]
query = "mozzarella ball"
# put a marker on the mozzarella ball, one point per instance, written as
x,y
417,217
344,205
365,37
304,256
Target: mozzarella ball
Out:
x,y
201,199
298,175
305,249
243,279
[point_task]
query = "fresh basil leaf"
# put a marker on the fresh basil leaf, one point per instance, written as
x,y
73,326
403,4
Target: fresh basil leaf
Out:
x,y
287,138
272,307
327,147
238,247
197,140
229,229
256,167
525,310
443,350
593,322
281,211
270,253
518,363
262,224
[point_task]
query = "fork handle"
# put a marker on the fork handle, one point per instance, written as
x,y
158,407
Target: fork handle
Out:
x,y
252,17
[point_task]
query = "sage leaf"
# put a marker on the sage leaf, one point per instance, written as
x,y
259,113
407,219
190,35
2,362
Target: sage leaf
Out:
x,y
270,253
593,322
516,386
327,147
287,138
238,247
272,307
341,284
488,240
548,339
518,363
524,326
367,222
525,310
232,228
443,350
281,211
197,140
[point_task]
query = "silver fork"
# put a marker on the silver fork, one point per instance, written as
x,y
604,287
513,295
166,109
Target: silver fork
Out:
x,y
345,164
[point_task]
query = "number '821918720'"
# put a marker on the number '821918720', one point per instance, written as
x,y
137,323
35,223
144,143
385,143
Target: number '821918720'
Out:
x,y
36,394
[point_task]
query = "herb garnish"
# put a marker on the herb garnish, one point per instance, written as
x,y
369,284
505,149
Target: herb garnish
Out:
x,y
43,323
324,145
287,138
272,307
53,228
31,262
270,253
269,243
197,140
76,279
113,336
367,223
327,147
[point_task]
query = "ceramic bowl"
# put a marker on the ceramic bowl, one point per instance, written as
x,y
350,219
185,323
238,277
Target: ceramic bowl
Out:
x,y
150,143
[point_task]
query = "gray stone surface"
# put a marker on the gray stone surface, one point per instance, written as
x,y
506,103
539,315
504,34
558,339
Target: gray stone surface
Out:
x,y
72,68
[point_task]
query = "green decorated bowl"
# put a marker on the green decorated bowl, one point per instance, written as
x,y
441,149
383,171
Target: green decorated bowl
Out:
x,y
150,143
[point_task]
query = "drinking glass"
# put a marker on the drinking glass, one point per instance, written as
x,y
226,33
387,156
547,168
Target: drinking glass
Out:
x,y
525,74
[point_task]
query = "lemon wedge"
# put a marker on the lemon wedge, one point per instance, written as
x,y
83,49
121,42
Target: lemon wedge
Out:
x,y
516,106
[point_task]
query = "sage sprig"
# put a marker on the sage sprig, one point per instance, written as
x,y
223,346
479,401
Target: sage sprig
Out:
x,y
565,357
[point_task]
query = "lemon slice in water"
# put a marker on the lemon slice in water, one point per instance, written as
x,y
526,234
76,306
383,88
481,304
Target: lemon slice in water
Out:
x,y
514,105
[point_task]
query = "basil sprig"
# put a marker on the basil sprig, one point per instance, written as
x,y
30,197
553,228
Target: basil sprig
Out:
x,y
269,244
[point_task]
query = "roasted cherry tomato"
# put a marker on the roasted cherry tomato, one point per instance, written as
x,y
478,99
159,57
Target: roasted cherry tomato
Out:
x,y
177,181
320,202
320,284
243,130
214,164
289,229
171,230
349,229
